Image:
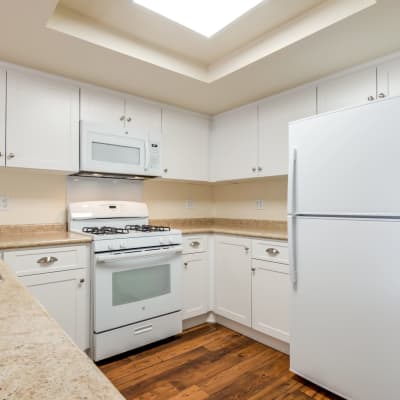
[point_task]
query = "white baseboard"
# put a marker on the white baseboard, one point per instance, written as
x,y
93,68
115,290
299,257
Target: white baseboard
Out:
x,y
244,330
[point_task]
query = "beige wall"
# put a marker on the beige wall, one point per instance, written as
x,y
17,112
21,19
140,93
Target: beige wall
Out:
x,y
39,198
33,198
168,199
238,200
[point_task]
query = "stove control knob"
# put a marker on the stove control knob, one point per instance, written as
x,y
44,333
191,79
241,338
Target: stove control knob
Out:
x,y
122,245
110,247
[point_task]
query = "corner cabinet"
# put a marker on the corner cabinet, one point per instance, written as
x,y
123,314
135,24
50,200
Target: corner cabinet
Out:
x,y
274,115
2,117
354,88
109,108
185,145
389,79
59,278
234,141
233,278
42,122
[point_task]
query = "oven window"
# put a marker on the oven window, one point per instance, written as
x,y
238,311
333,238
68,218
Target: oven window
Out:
x,y
140,284
115,154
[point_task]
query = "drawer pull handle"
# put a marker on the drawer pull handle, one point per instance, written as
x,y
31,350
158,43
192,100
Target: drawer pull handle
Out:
x,y
272,252
47,260
195,243
185,264
143,329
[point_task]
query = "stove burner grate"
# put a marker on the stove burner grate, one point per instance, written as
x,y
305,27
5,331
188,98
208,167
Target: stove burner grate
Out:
x,y
147,228
104,230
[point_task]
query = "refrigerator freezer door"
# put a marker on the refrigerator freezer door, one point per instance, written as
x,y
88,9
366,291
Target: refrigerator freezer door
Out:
x,y
345,320
347,162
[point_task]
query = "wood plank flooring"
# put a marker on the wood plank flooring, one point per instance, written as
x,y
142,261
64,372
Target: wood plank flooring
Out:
x,y
209,362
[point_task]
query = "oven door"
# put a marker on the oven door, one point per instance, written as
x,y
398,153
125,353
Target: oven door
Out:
x,y
111,151
135,286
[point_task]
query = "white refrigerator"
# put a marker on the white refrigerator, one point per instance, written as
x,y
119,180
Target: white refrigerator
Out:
x,y
344,241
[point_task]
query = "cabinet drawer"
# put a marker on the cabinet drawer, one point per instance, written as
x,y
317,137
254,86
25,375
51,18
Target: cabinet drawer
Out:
x,y
43,260
194,244
270,251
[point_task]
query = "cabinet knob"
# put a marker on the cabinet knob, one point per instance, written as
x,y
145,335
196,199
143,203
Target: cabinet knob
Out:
x,y
185,264
195,243
47,260
165,170
253,269
254,169
259,169
11,155
122,118
371,98
246,249
81,280
129,119
381,95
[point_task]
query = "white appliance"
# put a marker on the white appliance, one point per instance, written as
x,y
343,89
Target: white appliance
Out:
x,y
137,275
344,240
113,151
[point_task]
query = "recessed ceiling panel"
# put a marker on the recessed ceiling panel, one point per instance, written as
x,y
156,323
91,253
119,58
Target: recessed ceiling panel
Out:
x,y
205,17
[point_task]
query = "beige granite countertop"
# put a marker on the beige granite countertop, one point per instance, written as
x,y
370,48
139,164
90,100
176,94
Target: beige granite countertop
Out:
x,y
37,359
20,236
265,229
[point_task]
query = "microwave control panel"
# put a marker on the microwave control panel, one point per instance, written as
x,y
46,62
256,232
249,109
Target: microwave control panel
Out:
x,y
155,159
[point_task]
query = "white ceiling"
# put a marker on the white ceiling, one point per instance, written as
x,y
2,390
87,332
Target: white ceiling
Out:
x,y
278,45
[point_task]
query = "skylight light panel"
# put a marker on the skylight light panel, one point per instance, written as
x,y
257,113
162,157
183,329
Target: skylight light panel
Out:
x,y
206,17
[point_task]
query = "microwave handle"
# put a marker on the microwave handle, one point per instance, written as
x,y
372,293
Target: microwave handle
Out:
x,y
147,155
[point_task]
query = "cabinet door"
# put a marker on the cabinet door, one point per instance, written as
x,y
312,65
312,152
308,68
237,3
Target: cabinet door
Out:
x,y
2,117
389,79
102,107
348,90
65,295
195,285
42,123
233,279
185,146
234,145
274,116
270,299
143,118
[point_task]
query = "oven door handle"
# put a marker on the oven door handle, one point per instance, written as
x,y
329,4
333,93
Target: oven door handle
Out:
x,y
101,258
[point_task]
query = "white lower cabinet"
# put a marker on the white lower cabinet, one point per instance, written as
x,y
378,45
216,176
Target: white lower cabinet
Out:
x,y
233,278
59,278
64,295
270,299
196,280
253,291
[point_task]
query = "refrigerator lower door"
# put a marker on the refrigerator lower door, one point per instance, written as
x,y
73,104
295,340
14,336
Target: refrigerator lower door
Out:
x,y
345,307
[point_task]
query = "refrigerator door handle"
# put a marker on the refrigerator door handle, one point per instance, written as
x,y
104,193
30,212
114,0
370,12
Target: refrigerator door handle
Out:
x,y
292,182
292,250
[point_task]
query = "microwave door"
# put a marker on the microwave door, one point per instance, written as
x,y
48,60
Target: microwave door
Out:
x,y
112,153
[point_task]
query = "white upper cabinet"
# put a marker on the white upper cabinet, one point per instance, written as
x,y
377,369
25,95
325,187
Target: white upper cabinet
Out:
x,y
233,278
127,112
185,145
389,79
42,122
2,117
354,88
274,116
234,144
143,118
102,107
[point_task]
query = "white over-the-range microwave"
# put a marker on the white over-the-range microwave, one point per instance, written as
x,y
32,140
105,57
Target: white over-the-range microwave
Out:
x,y
115,152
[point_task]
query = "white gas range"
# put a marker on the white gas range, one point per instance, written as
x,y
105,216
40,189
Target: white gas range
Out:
x,y
136,275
